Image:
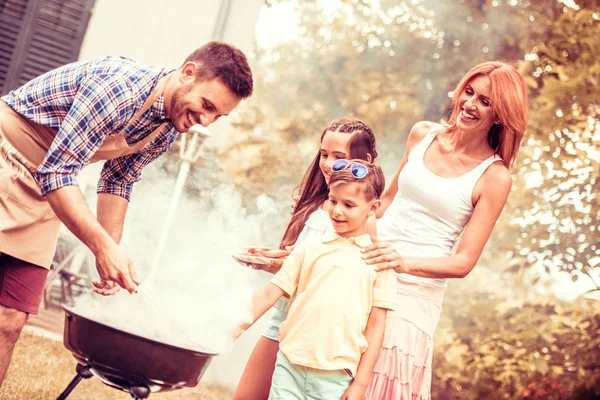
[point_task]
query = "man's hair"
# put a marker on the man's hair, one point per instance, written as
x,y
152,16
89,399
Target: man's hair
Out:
x,y
222,61
371,185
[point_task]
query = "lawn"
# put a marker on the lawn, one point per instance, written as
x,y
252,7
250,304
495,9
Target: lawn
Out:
x,y
42,368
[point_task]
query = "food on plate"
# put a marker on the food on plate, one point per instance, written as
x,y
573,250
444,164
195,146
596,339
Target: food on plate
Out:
x,y
268,252
261,258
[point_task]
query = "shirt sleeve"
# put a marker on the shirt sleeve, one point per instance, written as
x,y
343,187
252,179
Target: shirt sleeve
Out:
x,y
384,290
119,175
289,275
103,104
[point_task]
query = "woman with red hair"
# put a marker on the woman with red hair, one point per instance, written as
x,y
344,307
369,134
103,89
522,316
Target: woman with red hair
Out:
x,y
453,180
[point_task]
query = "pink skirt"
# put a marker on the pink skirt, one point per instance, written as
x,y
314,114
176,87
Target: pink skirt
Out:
x,y
403,369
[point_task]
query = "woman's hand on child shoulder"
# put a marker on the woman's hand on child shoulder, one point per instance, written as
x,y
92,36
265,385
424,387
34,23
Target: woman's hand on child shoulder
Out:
x,y
383,253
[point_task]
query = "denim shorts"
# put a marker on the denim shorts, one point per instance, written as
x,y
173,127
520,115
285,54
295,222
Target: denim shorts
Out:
x,y
279,315
291,382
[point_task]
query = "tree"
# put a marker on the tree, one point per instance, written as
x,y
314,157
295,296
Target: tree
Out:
x,y
392,63
556,207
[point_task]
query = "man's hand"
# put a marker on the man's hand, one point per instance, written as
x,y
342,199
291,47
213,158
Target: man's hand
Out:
x,y
106,288
111,211
114,267
355,391
100,235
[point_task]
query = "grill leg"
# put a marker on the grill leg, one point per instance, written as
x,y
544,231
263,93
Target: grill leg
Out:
x,y
139,392
83,372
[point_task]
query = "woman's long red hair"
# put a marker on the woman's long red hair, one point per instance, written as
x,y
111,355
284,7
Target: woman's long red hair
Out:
x,y
509,102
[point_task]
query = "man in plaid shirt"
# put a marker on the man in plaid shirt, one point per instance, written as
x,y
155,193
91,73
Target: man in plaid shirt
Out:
x,y
57,123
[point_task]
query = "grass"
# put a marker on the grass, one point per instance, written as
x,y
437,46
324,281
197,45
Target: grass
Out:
x,y
41,369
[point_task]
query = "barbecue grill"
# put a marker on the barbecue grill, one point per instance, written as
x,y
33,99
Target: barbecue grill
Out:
x,y
128,362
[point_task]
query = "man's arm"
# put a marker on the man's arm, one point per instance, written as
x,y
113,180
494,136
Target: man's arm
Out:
x,y
374,334
110,211
112,263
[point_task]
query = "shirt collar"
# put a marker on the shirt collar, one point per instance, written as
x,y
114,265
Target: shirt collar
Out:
x,y
360,241
159,112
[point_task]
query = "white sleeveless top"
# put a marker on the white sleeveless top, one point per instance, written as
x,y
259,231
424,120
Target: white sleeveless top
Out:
x,y
429,212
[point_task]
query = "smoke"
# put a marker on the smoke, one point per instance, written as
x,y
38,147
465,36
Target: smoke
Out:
x,y
205,293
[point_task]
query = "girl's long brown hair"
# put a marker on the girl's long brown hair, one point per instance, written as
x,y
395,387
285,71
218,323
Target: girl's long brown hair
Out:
x,y
313,189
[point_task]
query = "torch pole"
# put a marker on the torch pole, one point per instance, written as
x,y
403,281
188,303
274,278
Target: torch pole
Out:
x,y
189,153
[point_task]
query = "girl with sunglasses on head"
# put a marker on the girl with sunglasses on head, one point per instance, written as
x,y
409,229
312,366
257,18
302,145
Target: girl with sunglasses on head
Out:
x,y
332,334
343,139
452,174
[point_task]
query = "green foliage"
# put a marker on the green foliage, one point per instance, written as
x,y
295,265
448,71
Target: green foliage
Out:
x,y
556,210
498,341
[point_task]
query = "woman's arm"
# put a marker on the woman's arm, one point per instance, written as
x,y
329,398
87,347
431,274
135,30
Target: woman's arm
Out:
x,y
496,184
374,334
416,134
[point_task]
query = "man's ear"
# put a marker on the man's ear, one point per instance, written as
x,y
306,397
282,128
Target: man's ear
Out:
x,y
369,158
188,72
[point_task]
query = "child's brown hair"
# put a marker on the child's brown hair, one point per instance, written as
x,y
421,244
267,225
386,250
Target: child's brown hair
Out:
x,y
372,184
313,189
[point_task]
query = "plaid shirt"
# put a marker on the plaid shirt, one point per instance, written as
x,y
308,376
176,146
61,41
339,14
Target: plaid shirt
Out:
x,y
86,102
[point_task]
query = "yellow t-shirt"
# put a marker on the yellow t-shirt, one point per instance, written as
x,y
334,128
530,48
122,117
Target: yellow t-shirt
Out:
x,y
334,292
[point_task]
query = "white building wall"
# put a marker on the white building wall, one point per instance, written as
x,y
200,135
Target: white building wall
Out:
x,y
164,32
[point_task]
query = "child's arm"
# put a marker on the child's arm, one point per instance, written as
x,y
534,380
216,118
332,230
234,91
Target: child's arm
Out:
x,y
374,334
286,281
261,302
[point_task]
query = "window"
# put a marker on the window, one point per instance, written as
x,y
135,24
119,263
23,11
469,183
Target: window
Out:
x,y
39,35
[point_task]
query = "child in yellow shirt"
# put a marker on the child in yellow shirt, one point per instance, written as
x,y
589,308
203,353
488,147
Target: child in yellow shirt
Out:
x,y
331,338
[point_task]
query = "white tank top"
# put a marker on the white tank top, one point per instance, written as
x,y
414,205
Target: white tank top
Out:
x,y
429,212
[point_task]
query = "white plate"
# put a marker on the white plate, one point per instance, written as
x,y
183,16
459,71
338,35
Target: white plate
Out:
x,y
257,262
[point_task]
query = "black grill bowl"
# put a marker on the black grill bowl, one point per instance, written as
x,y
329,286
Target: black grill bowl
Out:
x,y
126,361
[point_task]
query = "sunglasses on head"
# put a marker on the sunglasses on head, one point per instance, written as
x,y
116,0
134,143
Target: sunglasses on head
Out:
x,y
358,171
